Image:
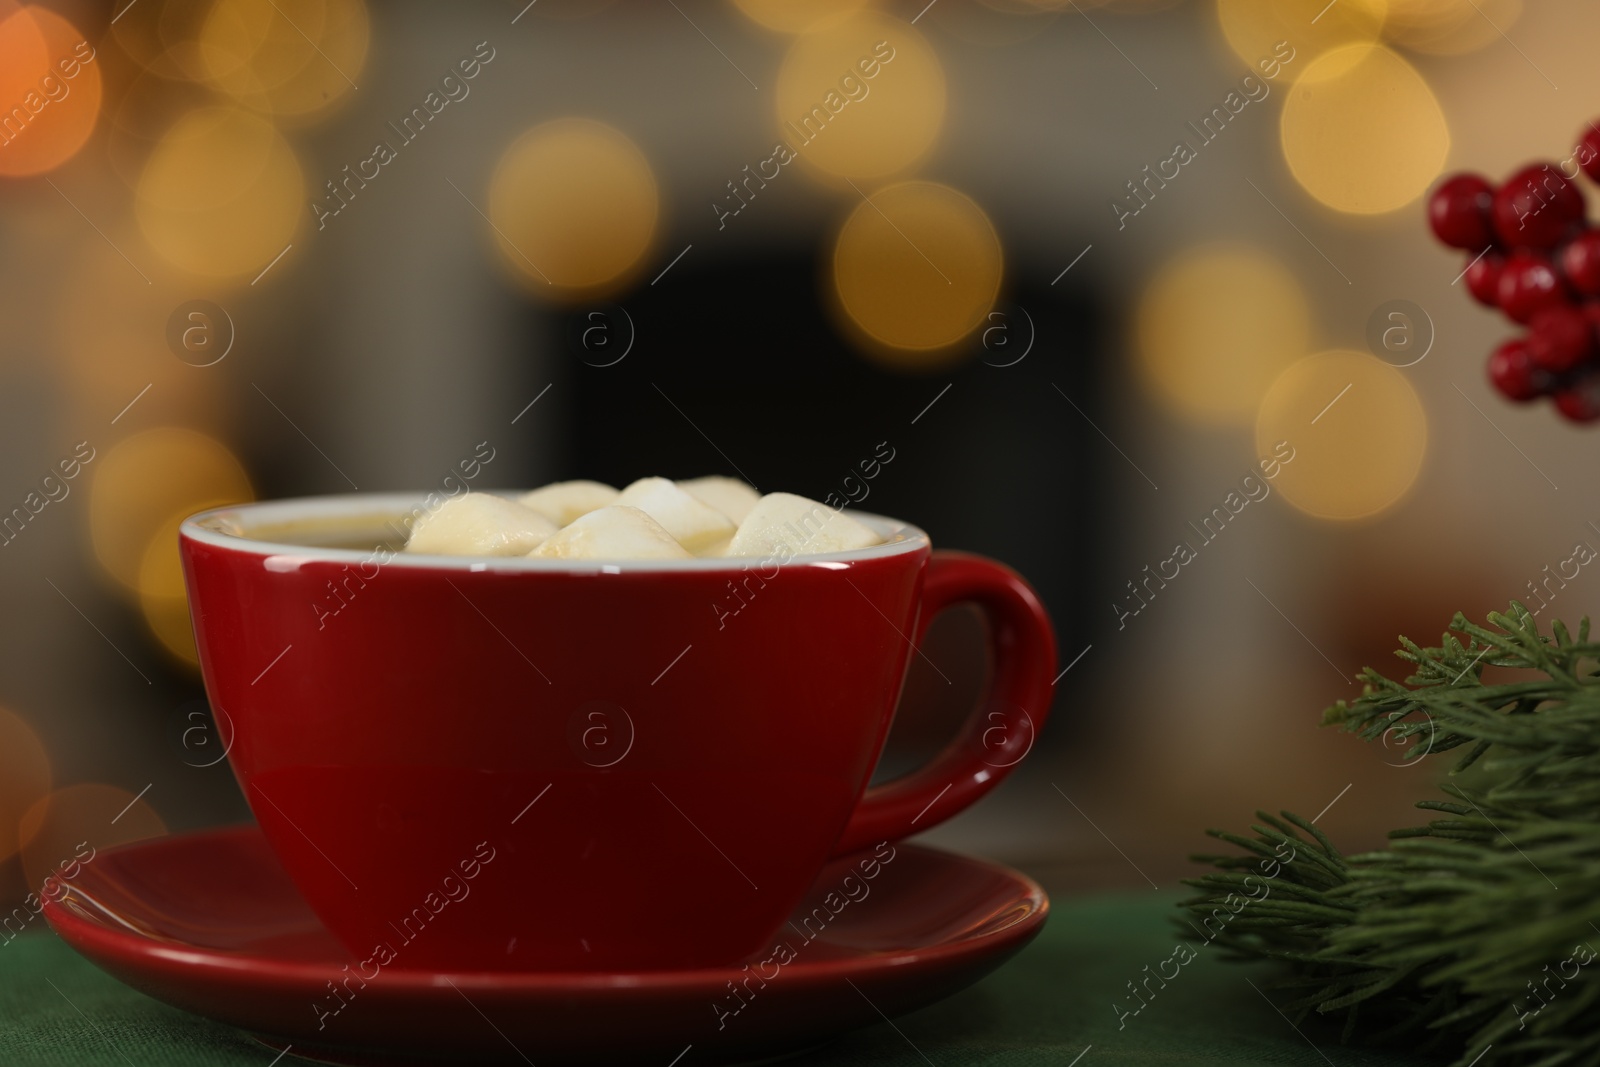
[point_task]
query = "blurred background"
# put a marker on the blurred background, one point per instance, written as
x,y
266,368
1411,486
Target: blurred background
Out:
x,y
1080,267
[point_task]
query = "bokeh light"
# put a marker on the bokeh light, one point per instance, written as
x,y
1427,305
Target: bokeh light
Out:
x,y
285,57
49,91
1255,28
24,777
994,23
1357,429
222,193
164,38
1216,326
162,598
1136,7
110,337
574,207
861,99
140,113
142,484
917,268
59,830
565,10
1362,132
798,16
1450,27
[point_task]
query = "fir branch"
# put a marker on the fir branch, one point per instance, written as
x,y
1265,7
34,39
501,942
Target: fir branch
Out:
x,y
1477,932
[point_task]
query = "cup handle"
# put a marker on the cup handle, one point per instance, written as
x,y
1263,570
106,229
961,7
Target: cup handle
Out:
x,y
1000,730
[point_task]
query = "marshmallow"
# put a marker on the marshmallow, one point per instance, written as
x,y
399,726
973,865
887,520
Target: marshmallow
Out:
x,y
614,532
696,524
561,502
783,521
728,495
479,524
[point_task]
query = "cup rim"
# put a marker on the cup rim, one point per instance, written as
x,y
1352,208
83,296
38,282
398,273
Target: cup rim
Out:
x,y
212,527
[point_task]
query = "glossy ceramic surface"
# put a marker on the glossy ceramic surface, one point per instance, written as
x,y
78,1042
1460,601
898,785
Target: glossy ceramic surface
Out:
x,y
209,922
557,765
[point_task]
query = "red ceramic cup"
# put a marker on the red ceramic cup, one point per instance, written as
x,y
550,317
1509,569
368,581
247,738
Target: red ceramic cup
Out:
x,y
516,764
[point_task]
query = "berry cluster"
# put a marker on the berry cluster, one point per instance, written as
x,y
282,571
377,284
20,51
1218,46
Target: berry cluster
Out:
x,y
1535,258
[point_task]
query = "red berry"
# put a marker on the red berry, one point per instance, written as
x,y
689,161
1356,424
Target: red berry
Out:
x,y
1483,278
1588,151
1459,210
1591,311
1580,401
1536,207
1580,262
1512,371
1527,283
1560,337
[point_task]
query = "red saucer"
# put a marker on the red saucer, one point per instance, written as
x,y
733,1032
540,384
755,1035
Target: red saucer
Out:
x,y
209,922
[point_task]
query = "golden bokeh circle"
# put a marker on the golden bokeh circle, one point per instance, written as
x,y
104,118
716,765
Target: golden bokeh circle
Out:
x,y
143,109
24,777
285,57
163,599
1216,326
162,38
917,267
566,10
110,333
1362,132
222,193
994,23
862,99
169,623
798,16
70,828
1450,27
1357,428
1258,30
574,207
48,115
143,484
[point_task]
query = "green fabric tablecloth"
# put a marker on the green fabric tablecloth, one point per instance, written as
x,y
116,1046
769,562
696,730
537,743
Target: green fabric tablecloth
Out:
x,y
1046,1006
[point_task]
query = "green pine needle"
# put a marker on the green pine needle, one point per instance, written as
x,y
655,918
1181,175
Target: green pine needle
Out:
x,y
1477,933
